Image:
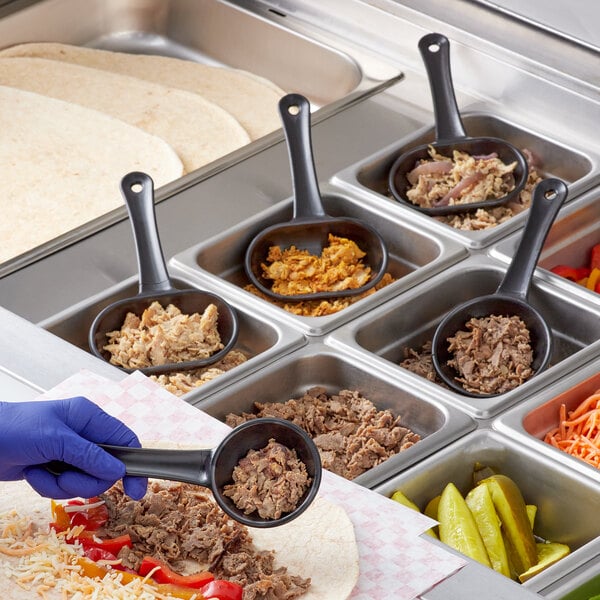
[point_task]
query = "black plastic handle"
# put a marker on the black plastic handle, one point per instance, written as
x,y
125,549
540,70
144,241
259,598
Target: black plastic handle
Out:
x,y
188,466
295,117
138,191
548,197
435,51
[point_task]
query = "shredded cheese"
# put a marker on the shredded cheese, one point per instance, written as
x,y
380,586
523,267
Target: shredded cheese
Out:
x,y
44,565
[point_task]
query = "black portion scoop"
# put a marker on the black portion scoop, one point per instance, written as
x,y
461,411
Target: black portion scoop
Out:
x,y
155,284
213,468
450,136
511,296
310,226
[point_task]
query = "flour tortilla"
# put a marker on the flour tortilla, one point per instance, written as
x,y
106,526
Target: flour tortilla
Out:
x,y
251,100
319,544
61,166
198,130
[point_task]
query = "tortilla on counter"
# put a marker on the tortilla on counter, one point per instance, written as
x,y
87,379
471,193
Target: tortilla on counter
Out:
x,y
250,99
61,166
198,130
319,544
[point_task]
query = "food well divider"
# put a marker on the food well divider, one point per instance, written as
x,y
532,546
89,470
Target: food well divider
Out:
x,y
317,365
578,167
260,340
408,322
544,482
414,255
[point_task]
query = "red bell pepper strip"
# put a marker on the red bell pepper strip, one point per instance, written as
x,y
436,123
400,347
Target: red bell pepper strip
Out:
x,y
112,545
595,257
572,273
164,574
223,590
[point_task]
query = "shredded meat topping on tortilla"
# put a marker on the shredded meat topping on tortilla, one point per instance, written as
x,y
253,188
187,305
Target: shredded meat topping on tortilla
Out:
x,y
162,336
492,355
295,271
351,434
270,481
321,308
183,526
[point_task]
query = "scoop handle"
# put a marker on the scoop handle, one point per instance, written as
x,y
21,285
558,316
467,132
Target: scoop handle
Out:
x,y
548,197
294,110
188,466
138,192
435,51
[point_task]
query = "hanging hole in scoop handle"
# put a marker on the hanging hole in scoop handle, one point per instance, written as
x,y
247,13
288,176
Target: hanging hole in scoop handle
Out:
x,y
548,197
435,51
294,110
137,189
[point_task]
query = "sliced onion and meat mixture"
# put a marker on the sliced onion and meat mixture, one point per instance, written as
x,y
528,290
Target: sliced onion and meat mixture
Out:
x,y
351,434
460,179
443,180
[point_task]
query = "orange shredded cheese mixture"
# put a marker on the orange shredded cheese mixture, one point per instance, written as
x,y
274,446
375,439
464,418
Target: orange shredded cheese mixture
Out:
x,y
578,431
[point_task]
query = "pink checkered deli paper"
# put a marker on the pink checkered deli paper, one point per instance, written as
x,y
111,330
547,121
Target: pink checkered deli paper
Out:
x,y
392,556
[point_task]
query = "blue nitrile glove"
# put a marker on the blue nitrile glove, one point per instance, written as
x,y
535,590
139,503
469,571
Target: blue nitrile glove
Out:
x,y
34,433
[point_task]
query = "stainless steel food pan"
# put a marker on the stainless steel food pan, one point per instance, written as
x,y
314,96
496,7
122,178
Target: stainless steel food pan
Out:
x,y
410,320
294,54
287,51
261,340
568,243
414,256
318,365
582,583
577,167
567,503
530,421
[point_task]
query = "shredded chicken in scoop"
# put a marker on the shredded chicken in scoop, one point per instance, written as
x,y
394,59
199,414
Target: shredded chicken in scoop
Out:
x,y
160,336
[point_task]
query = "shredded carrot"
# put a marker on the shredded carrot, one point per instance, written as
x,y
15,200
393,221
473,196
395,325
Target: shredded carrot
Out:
x,y
578,431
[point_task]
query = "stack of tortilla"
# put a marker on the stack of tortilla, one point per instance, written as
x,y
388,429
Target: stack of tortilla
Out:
x,y
76,120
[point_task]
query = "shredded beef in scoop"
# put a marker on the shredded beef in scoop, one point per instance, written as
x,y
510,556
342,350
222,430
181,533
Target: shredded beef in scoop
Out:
x,y
269,481
183,526
492,355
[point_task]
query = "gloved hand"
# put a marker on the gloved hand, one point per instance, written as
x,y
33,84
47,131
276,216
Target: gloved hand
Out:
x,y
34,433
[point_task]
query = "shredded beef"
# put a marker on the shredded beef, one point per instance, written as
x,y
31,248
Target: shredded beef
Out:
x,y
270,481
492,355
352,436
182,525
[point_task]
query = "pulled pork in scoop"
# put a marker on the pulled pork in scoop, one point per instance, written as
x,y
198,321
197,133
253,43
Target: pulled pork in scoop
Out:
x,y
352,436
164,335
295,271
270,481
492,355
183,526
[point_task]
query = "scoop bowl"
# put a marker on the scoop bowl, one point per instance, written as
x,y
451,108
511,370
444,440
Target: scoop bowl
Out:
x,y
510,299
450,136
310,226
155,285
